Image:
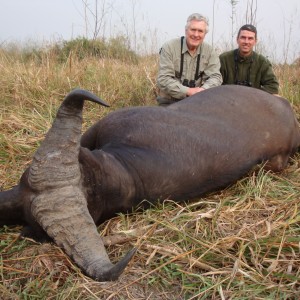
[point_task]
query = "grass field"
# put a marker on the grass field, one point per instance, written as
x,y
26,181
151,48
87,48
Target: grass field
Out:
x,y
240,243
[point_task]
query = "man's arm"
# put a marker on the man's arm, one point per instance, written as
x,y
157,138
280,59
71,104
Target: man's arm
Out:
x,y
212,75
166,80
269,81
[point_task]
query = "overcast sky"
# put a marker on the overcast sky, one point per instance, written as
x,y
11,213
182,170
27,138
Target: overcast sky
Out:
x,y
151,22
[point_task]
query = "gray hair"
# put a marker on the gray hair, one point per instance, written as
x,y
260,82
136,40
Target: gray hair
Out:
x,y
197,17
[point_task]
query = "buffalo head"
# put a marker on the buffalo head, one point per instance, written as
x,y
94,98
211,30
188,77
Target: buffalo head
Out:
x,y
50,198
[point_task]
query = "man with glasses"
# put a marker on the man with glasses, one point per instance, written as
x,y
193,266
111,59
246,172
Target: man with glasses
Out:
x,y
243,66
187,65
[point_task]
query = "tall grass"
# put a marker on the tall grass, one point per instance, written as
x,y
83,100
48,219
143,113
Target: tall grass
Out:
x,y
240,243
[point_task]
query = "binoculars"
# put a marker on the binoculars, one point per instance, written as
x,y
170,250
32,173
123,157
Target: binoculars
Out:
x,y
245,83
189,83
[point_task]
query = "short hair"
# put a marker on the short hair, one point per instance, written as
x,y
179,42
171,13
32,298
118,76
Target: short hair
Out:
x,y
197,17
248,27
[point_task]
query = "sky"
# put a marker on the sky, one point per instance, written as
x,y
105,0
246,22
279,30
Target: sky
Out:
x,y
149,23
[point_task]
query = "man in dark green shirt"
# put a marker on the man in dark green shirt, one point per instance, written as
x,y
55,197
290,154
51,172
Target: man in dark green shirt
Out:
x,y
243,66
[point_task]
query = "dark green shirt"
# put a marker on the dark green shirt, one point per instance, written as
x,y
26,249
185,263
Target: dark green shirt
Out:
x,y
256,70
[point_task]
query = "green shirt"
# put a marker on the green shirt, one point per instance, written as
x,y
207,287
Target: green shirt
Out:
x,y
169,67
256,70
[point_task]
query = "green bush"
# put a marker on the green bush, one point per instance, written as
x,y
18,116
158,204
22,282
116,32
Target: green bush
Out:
x,y
79,48
115,48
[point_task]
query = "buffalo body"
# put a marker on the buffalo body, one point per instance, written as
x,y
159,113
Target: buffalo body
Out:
x,y
179,152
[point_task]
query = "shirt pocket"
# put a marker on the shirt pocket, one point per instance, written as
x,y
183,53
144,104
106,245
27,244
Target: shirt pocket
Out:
x,y
203,62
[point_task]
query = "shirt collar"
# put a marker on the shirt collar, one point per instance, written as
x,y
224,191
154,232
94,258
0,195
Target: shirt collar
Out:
x,y
246,59
185,48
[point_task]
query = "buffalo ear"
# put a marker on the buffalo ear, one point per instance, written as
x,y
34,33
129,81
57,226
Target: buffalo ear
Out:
x,y
11,207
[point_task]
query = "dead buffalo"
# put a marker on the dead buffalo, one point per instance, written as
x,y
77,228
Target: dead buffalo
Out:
x,y
192,147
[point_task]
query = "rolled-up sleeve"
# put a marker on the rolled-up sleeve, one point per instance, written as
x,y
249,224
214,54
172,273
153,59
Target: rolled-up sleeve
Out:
x,y
212,76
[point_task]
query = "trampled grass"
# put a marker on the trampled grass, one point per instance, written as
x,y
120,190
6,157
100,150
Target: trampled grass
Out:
x,y
240,243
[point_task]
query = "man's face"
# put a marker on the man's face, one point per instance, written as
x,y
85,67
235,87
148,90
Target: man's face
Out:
x,y
246,41
195,34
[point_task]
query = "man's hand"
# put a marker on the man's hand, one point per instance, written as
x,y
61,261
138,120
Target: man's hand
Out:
x,y
192,91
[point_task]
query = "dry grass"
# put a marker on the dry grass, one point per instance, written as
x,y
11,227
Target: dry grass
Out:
x,y
240,243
